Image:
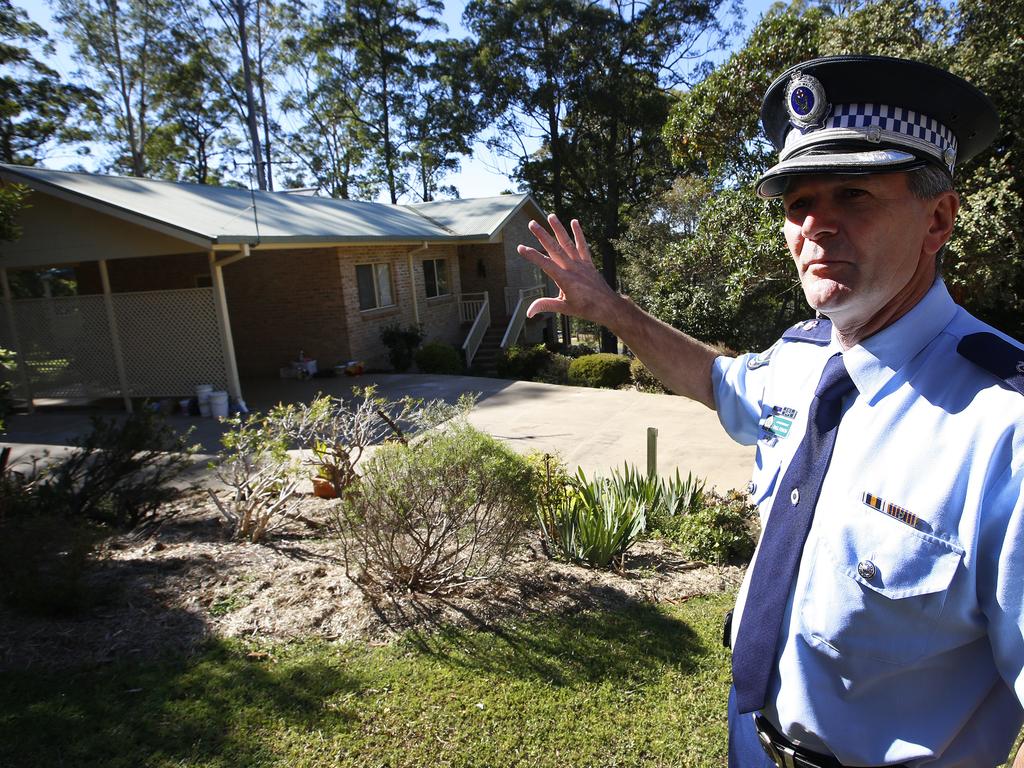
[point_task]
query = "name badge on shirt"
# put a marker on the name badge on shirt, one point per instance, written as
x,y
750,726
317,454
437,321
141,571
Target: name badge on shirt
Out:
x,y
777,423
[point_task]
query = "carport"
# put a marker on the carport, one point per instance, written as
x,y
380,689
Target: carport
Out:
x,y
150,318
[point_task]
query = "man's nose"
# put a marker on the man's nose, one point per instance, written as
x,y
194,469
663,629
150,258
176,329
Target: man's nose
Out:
x,y
820,221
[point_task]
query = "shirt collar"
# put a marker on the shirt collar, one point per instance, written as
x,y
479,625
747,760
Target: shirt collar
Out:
x,y
878,358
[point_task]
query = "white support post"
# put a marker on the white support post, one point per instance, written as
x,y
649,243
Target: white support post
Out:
x,y
220,300
115,337
26,381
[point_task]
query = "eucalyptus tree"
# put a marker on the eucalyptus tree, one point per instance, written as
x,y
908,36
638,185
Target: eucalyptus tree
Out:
x,y
591,83
195,114
322,95
442,118
36,107
119,46
385,39
242,40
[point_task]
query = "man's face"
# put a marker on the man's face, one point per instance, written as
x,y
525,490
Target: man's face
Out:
x,y
861,246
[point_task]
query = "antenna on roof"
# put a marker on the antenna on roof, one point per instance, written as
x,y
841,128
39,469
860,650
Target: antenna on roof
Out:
x,y
255,216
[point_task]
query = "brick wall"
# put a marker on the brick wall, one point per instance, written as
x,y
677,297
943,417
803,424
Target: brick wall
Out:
x,y
439,316
152,273
283,301
490,259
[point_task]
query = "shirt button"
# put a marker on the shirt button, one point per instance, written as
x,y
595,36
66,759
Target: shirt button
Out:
x,y
795,496
866,569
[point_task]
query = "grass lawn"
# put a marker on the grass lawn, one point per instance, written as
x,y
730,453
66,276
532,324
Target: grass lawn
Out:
x,y
645,687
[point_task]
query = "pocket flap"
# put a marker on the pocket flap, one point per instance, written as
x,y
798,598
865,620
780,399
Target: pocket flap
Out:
x,y
893,559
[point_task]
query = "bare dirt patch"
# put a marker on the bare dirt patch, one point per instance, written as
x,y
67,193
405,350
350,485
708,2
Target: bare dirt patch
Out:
x,y
185,582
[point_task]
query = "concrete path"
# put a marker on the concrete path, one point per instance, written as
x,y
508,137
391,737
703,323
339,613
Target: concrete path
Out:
x,y
594,428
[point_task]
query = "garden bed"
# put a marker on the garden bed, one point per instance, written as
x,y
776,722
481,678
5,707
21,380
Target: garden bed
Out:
x,y
185,582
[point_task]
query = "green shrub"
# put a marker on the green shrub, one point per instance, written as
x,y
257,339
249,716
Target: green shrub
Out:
x,y
601,370
643,379
555,370
722,530
523,363
665,501
435,515
579,350
401,343
437,357
592,522
43,561
120,474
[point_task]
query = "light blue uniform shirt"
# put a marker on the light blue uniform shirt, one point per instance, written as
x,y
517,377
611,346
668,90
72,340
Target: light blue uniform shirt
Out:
x,y
903,639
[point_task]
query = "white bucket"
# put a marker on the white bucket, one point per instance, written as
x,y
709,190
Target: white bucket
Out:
x,y
218,404
203,392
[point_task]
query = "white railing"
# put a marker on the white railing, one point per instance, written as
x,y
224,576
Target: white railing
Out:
x,y
469,305
515,325
481,321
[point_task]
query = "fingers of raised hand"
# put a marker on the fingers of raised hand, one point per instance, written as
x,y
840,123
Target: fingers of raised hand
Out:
x,y
581,240
545,305
553,267
554,251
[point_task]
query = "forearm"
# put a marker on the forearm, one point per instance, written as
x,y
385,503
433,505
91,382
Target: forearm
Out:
x,y
680,362
1018,762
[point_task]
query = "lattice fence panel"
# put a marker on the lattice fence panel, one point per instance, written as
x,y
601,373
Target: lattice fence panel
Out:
x,y
66,342
170,340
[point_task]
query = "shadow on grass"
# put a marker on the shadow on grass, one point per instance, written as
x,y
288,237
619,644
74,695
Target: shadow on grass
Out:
x,y
632,644
222,707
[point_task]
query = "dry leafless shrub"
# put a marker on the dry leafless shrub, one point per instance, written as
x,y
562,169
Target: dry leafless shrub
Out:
x,y
261,477
337,431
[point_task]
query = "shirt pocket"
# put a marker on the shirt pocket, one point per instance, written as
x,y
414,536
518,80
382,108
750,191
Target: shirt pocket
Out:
x,y
877,588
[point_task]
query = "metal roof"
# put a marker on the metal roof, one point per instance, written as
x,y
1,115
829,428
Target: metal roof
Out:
x,y
225,215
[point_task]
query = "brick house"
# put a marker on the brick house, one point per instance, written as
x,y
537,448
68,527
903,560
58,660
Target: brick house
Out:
x,y
179,284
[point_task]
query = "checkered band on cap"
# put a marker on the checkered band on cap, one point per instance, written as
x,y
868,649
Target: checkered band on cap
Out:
x,y
877,124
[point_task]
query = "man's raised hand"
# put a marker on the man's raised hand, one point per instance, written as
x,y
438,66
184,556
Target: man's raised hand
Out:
x,y
582,291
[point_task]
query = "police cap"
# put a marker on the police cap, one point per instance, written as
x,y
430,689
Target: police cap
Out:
x,y
871,114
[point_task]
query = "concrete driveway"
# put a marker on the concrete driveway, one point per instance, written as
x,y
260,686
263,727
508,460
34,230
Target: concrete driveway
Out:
x,y
596,429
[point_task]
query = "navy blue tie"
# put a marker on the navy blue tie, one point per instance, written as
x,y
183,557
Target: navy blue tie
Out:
x,y
778,556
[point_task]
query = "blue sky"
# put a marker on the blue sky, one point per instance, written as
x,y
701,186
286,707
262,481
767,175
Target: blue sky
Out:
x,y
482,175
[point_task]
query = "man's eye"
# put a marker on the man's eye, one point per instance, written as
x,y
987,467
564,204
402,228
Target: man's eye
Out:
x,y
853,192
796,205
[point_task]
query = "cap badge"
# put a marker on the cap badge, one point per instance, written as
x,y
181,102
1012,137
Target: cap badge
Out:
x,y
805,101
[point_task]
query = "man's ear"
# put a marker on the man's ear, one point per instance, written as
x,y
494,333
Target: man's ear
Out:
x,y
943,210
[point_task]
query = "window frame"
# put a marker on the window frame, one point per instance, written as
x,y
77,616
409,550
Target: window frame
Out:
x,y
373,266
447,275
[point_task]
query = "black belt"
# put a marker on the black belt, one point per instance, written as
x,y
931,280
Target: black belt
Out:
x,y
786,754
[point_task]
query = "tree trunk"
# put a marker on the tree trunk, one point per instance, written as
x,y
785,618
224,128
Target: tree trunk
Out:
x,y
262,85
250,100
610,228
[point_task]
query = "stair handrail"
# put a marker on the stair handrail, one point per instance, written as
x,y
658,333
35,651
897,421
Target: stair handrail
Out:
x,y
469,305
478,329
515,325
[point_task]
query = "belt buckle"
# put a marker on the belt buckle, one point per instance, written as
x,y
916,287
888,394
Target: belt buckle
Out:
x,y
782,756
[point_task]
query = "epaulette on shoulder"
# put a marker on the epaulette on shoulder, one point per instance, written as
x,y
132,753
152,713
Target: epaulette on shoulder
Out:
x,y
996,355
816,331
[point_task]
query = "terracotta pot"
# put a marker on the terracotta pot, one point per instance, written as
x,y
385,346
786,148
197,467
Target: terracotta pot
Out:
x,y
323,488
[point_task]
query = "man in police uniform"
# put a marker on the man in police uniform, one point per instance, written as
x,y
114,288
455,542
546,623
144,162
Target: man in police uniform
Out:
x,y
897,637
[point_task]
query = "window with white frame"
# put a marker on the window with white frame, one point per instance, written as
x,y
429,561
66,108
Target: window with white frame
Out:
x,y
435,277
374,282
